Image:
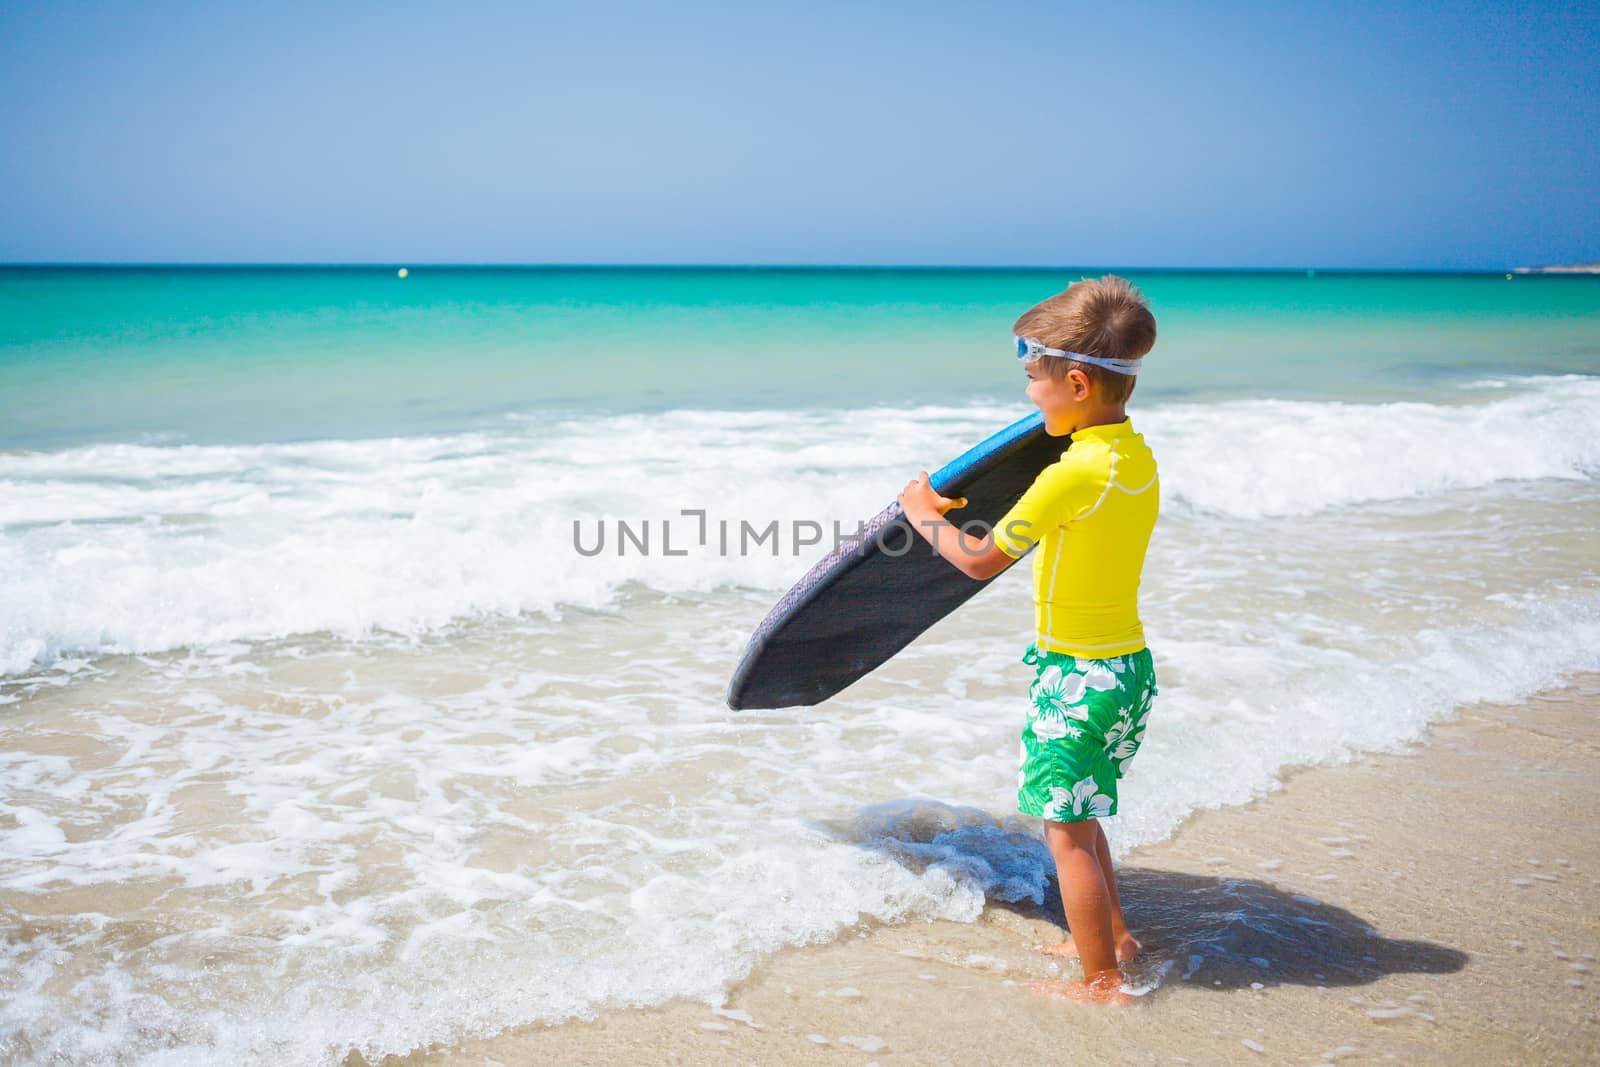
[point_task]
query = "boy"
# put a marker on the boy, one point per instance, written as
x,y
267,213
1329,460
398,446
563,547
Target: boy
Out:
x,y
1090,513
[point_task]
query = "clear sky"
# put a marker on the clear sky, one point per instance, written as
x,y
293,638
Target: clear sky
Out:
x,y
1451,135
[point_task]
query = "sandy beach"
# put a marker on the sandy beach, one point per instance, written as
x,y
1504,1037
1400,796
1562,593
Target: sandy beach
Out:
x,y
1435,905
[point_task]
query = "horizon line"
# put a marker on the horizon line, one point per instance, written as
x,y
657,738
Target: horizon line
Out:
x,y
412,265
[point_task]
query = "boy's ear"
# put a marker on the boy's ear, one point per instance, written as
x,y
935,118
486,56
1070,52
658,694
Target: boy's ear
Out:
x,y
1080,383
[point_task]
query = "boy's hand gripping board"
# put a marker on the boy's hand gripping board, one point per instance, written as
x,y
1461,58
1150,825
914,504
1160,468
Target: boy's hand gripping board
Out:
x,y
866,600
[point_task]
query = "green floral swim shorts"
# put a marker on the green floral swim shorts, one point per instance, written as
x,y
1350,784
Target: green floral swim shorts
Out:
x,y
1086,722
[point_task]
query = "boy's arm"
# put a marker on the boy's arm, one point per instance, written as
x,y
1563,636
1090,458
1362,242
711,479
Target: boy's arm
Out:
x,y
978,558
1062,491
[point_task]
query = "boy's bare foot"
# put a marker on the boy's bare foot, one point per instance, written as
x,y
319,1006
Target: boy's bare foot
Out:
x,y
1127,948
1104,990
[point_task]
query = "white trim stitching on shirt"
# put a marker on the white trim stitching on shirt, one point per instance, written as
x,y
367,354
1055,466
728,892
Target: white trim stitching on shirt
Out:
x,y
1111,479
1092,648
1050,590
1142,488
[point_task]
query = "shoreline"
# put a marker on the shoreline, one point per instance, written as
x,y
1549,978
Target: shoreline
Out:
x,y
1433,905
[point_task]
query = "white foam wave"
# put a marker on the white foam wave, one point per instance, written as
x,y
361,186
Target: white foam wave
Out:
x,y
1278,457
130,548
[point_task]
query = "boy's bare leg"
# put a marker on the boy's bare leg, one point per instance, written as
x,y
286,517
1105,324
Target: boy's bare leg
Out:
x,y
1127,946
1087,903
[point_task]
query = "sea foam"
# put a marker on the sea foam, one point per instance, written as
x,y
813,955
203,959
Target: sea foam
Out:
x,y
134,549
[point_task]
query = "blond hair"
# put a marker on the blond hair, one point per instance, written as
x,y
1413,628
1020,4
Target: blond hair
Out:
x,y
1105,317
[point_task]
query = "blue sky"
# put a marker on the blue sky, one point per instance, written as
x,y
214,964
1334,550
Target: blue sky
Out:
x,y
1446,135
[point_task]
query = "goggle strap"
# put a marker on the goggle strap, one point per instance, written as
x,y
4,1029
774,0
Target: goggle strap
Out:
x,y
1121,366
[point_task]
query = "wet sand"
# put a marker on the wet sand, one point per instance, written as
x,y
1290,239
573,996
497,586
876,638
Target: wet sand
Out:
x,y
1438,905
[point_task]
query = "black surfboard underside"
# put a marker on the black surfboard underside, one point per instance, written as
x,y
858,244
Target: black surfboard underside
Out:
x,y
865,601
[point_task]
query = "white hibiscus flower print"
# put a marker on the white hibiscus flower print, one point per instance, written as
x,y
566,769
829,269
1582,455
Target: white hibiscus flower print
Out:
x,y
1122,739
1081,802
1145,700
1058,692
1049,727
1097,674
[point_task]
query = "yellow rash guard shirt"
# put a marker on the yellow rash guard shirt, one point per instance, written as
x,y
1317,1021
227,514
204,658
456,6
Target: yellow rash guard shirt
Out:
x,y
1090,513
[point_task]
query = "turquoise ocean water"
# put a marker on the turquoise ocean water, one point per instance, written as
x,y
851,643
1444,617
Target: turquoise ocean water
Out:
x,y
254,355
318,735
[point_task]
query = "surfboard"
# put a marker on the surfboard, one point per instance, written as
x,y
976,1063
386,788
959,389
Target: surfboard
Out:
x,y
869,598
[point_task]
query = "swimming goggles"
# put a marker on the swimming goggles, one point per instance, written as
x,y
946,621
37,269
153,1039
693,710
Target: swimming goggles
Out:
x,y
1028,348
